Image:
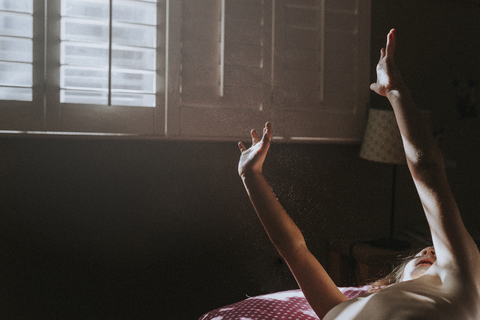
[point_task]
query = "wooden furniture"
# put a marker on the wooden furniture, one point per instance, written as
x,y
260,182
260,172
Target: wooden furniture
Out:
x,y
353,262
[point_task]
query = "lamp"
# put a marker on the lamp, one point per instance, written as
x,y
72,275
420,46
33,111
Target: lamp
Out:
x,y
382,142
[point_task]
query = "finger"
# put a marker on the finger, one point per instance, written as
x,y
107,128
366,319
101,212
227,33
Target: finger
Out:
x,y
391,43
241,147
382,54
373,87
254,135
267,132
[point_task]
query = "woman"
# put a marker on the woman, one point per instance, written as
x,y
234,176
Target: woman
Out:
x,y
441,282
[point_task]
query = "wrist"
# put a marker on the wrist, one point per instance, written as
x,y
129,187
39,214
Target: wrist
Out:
x,y
396,91
250,175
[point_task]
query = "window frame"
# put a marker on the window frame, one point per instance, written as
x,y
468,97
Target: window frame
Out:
x,y
169,118
70,117
327,124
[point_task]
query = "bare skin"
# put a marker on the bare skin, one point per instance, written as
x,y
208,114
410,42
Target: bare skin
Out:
x,y
441,282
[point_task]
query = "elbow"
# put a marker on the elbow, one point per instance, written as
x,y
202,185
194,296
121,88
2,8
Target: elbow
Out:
x,y
423,168
424,158
290,247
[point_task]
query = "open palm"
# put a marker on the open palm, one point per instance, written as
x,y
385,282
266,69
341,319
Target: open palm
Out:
x,y
388,76
251,160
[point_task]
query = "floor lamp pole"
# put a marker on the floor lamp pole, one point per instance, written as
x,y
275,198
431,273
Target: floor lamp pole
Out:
x,y
391,243
392,202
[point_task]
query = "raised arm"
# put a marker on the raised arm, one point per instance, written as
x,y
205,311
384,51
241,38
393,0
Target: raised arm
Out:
x,y
454,246
317,286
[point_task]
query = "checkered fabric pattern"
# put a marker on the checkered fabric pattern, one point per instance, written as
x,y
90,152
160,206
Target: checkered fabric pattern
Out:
x,y
382,141
285,305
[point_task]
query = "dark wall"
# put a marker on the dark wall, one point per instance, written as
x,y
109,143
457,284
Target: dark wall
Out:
x,y
137,229
148,229
438,48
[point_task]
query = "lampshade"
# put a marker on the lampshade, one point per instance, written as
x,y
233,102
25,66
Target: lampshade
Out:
x,y
382,141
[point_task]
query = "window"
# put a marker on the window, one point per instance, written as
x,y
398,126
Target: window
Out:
x,y
109,61
190,68
16,40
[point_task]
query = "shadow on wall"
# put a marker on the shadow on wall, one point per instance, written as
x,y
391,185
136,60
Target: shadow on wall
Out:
x,y
122,229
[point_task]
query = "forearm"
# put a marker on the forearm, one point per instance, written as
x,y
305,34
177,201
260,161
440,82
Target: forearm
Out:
x,y
281,229
420,146
317,286
425,162
451,240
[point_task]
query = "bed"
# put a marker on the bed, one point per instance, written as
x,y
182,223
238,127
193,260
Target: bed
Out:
x,y
289,305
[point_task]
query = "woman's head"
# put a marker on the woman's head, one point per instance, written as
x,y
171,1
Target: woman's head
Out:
x,y
419,264
411,267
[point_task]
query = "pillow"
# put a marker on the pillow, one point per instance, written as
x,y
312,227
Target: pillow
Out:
x,y
281,305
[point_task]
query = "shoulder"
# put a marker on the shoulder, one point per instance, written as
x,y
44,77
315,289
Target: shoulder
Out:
x,y
461,283
458,259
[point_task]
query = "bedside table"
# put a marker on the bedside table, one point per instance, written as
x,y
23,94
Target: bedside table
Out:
x,y
353,262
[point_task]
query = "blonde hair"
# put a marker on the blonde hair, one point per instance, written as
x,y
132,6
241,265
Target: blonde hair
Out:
x,y
395,276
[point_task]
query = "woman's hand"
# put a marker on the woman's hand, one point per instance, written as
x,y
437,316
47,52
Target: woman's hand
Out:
x,y
251,160
388,76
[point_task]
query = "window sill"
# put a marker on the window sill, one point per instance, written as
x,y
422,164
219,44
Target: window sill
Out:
x,y
132,136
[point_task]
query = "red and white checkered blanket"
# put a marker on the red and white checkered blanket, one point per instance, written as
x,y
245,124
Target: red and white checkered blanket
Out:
x,y
281,305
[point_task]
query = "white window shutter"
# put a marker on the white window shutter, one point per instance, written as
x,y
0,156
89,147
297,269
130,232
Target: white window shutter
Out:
x,y
302,64
226,63
21,64
211,69
322,68
16,54
72,93
201,52
106,78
